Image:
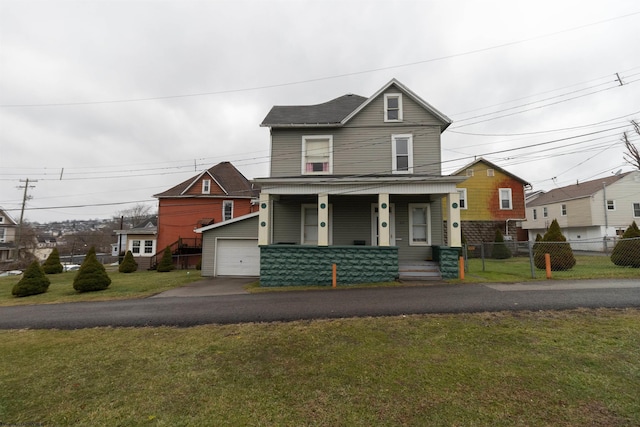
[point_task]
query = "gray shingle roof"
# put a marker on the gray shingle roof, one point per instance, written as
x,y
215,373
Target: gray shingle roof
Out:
x,y
575,191
331,112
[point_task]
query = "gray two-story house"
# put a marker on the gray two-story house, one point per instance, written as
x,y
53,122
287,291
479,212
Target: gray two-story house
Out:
x,y
354,182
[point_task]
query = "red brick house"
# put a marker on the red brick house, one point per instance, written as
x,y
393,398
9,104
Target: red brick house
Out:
x,y
217,194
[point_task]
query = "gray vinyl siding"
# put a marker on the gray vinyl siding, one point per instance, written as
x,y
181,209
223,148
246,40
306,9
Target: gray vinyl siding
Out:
x,y
247,228
364,145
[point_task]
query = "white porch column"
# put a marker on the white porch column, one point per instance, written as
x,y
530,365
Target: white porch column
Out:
x,y
384,225
453,220
323,220
264,218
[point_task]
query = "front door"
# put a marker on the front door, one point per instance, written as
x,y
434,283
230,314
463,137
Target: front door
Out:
x,y
374,224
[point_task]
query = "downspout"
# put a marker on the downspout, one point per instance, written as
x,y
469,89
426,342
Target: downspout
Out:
x,y
606,217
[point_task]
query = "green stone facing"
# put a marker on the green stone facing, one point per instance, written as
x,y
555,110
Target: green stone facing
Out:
x,y
295,265
449,259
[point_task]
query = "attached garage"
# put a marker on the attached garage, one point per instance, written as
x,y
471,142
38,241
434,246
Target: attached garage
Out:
x,y
237,257
230,248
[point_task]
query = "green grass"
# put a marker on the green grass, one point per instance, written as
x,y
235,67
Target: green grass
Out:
x,y
123,286
518,270
571,368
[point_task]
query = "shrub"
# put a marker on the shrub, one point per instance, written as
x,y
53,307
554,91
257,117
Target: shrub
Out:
x,y
627,251
53,265
33,282
500,250
552,243
166,263
128,264
91,276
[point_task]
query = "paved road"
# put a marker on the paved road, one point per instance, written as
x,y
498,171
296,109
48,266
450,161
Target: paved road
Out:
x,y
240,307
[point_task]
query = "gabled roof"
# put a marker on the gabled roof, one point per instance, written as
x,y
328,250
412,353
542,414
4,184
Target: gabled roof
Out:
x,y
225,175
492,166
339,111
576,191
10,219
227,222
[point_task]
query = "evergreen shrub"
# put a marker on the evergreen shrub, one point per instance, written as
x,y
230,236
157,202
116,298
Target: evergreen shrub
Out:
x,y
500,249
53,265
128,264
627,251
552,243
91,276
33,282
166,263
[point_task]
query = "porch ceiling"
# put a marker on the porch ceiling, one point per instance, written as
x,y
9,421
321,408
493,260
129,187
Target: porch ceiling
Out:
x,y
360,185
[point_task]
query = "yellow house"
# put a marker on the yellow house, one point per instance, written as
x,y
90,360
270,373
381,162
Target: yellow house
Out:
x,y
490,198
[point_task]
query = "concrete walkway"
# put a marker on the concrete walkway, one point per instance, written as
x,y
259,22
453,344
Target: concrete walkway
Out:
x,y
209,287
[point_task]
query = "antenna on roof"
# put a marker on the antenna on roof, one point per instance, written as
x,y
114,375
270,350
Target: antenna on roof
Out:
x,y
618,172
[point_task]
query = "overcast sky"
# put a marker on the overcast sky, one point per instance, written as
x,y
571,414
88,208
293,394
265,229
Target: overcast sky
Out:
x,y
106,103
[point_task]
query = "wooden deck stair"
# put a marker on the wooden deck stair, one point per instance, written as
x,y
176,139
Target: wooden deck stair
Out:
x,y
420,270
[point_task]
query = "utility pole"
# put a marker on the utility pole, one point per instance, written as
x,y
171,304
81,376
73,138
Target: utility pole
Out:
x,y
25,197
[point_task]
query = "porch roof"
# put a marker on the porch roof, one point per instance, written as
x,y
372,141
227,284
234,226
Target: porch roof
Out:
x,y
361,185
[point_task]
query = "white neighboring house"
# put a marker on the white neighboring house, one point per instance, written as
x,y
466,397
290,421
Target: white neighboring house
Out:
x,y
588,211
141,240
8,227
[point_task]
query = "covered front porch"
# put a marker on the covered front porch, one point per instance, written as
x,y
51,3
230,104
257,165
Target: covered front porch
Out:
x,y
369,229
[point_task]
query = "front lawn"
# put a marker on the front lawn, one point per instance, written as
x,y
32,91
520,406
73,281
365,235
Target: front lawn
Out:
x,y
123,286
570,368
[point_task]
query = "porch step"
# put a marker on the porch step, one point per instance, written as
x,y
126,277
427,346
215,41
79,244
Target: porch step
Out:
x,y
420,270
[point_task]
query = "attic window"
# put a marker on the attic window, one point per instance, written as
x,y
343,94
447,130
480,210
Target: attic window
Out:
x,y
490,172
206,186
393,107
317,154
469,172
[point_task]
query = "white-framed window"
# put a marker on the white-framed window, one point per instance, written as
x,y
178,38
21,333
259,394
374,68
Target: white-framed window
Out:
x,y
419,220
1,219
535,214
227,210
309,224
490,172
148,246
206,186
2,235
402,153
636,210
563,210
545,212
135,247
505,198
317,154
611,205
470,172
393,107
463,198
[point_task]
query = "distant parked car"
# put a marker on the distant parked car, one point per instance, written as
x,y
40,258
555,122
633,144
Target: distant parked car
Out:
x,y
71,267
10,273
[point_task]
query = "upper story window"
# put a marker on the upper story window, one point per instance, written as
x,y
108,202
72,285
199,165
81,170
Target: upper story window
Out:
x,y
505,198
402,153
463,197
1,219
2,235
206,186
545,212
227,210
535,214
393,107
611,205
317,154
636,210
469,172
563,210
490,172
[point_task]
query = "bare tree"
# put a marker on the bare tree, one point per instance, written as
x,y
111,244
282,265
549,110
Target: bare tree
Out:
x,y
136,214
632,155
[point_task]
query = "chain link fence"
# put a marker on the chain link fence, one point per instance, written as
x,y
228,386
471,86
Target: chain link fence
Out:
x,y
527,259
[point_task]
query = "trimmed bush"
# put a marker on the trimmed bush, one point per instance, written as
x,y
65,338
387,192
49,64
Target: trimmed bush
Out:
x,y
33,282
166,263
500,250
91,276
128,264
552,243
627,251
53,265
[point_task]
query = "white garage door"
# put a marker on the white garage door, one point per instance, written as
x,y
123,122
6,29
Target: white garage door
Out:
x,y
237,257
